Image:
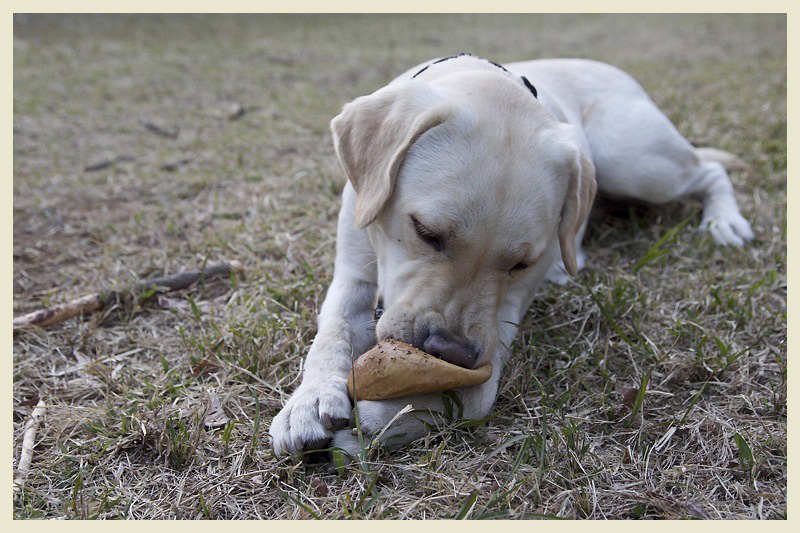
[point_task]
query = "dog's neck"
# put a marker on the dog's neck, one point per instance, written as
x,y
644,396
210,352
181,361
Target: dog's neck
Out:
x,y
476,63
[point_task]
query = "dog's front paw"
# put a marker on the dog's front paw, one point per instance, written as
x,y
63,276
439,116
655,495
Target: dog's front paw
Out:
x,y
310,417
728,227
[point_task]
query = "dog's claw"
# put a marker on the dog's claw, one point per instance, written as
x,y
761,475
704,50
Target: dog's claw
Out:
x,y
335,423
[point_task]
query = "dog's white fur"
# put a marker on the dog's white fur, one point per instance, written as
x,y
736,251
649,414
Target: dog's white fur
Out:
x,y
504,182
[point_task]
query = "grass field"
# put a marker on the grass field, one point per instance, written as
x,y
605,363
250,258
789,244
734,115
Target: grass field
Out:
x,y
653,386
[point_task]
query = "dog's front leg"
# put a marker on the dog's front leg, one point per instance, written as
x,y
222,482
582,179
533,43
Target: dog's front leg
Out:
x,y
320,404
428,409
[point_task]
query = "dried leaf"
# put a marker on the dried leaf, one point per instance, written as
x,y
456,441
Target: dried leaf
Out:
x,y
203,366
696,511
165,302
320,488
215,416
626,456
629,396
237,111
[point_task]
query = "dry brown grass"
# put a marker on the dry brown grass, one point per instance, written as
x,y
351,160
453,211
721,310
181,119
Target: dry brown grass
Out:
x,y
128,390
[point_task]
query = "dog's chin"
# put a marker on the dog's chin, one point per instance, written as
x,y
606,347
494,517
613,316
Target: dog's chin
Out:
x,y
459,360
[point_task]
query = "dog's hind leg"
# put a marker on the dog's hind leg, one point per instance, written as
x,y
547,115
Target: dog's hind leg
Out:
x,y
721,215
639,154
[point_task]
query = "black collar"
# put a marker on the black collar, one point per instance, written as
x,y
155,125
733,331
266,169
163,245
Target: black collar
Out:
x,y
528,84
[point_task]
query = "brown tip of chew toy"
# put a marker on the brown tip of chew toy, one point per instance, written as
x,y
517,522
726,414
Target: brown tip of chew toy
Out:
x,y
394,369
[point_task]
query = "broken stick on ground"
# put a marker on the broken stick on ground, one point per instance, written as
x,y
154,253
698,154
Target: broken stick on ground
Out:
x,y
99,300
28,441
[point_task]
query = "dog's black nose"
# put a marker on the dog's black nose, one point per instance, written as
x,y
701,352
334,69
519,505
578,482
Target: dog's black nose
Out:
x,y
448,347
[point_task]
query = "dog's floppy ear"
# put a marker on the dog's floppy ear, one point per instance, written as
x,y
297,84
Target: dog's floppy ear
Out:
x,y
373,133
580,195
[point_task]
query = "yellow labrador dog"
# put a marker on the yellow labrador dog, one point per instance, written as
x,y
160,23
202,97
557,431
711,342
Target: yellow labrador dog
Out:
x,y
469,183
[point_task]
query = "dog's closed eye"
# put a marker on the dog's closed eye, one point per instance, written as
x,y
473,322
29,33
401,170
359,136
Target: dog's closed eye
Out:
x,y
427,236
519,267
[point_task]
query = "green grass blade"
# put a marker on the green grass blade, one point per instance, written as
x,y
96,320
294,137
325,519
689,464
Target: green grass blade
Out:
x,y
694,401
660,248
462,513
637,404
745,454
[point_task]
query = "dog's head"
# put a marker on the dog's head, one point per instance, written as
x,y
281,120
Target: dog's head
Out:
x,y
466,188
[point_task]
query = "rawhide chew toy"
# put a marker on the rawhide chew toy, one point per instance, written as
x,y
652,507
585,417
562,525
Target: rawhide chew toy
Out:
x,y
394,369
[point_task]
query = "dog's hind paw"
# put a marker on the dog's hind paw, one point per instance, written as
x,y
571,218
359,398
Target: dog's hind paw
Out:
x,y
728,229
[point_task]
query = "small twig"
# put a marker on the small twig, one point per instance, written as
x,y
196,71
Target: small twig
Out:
x,y
28,441
105,163
160,130
99,300
175,165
